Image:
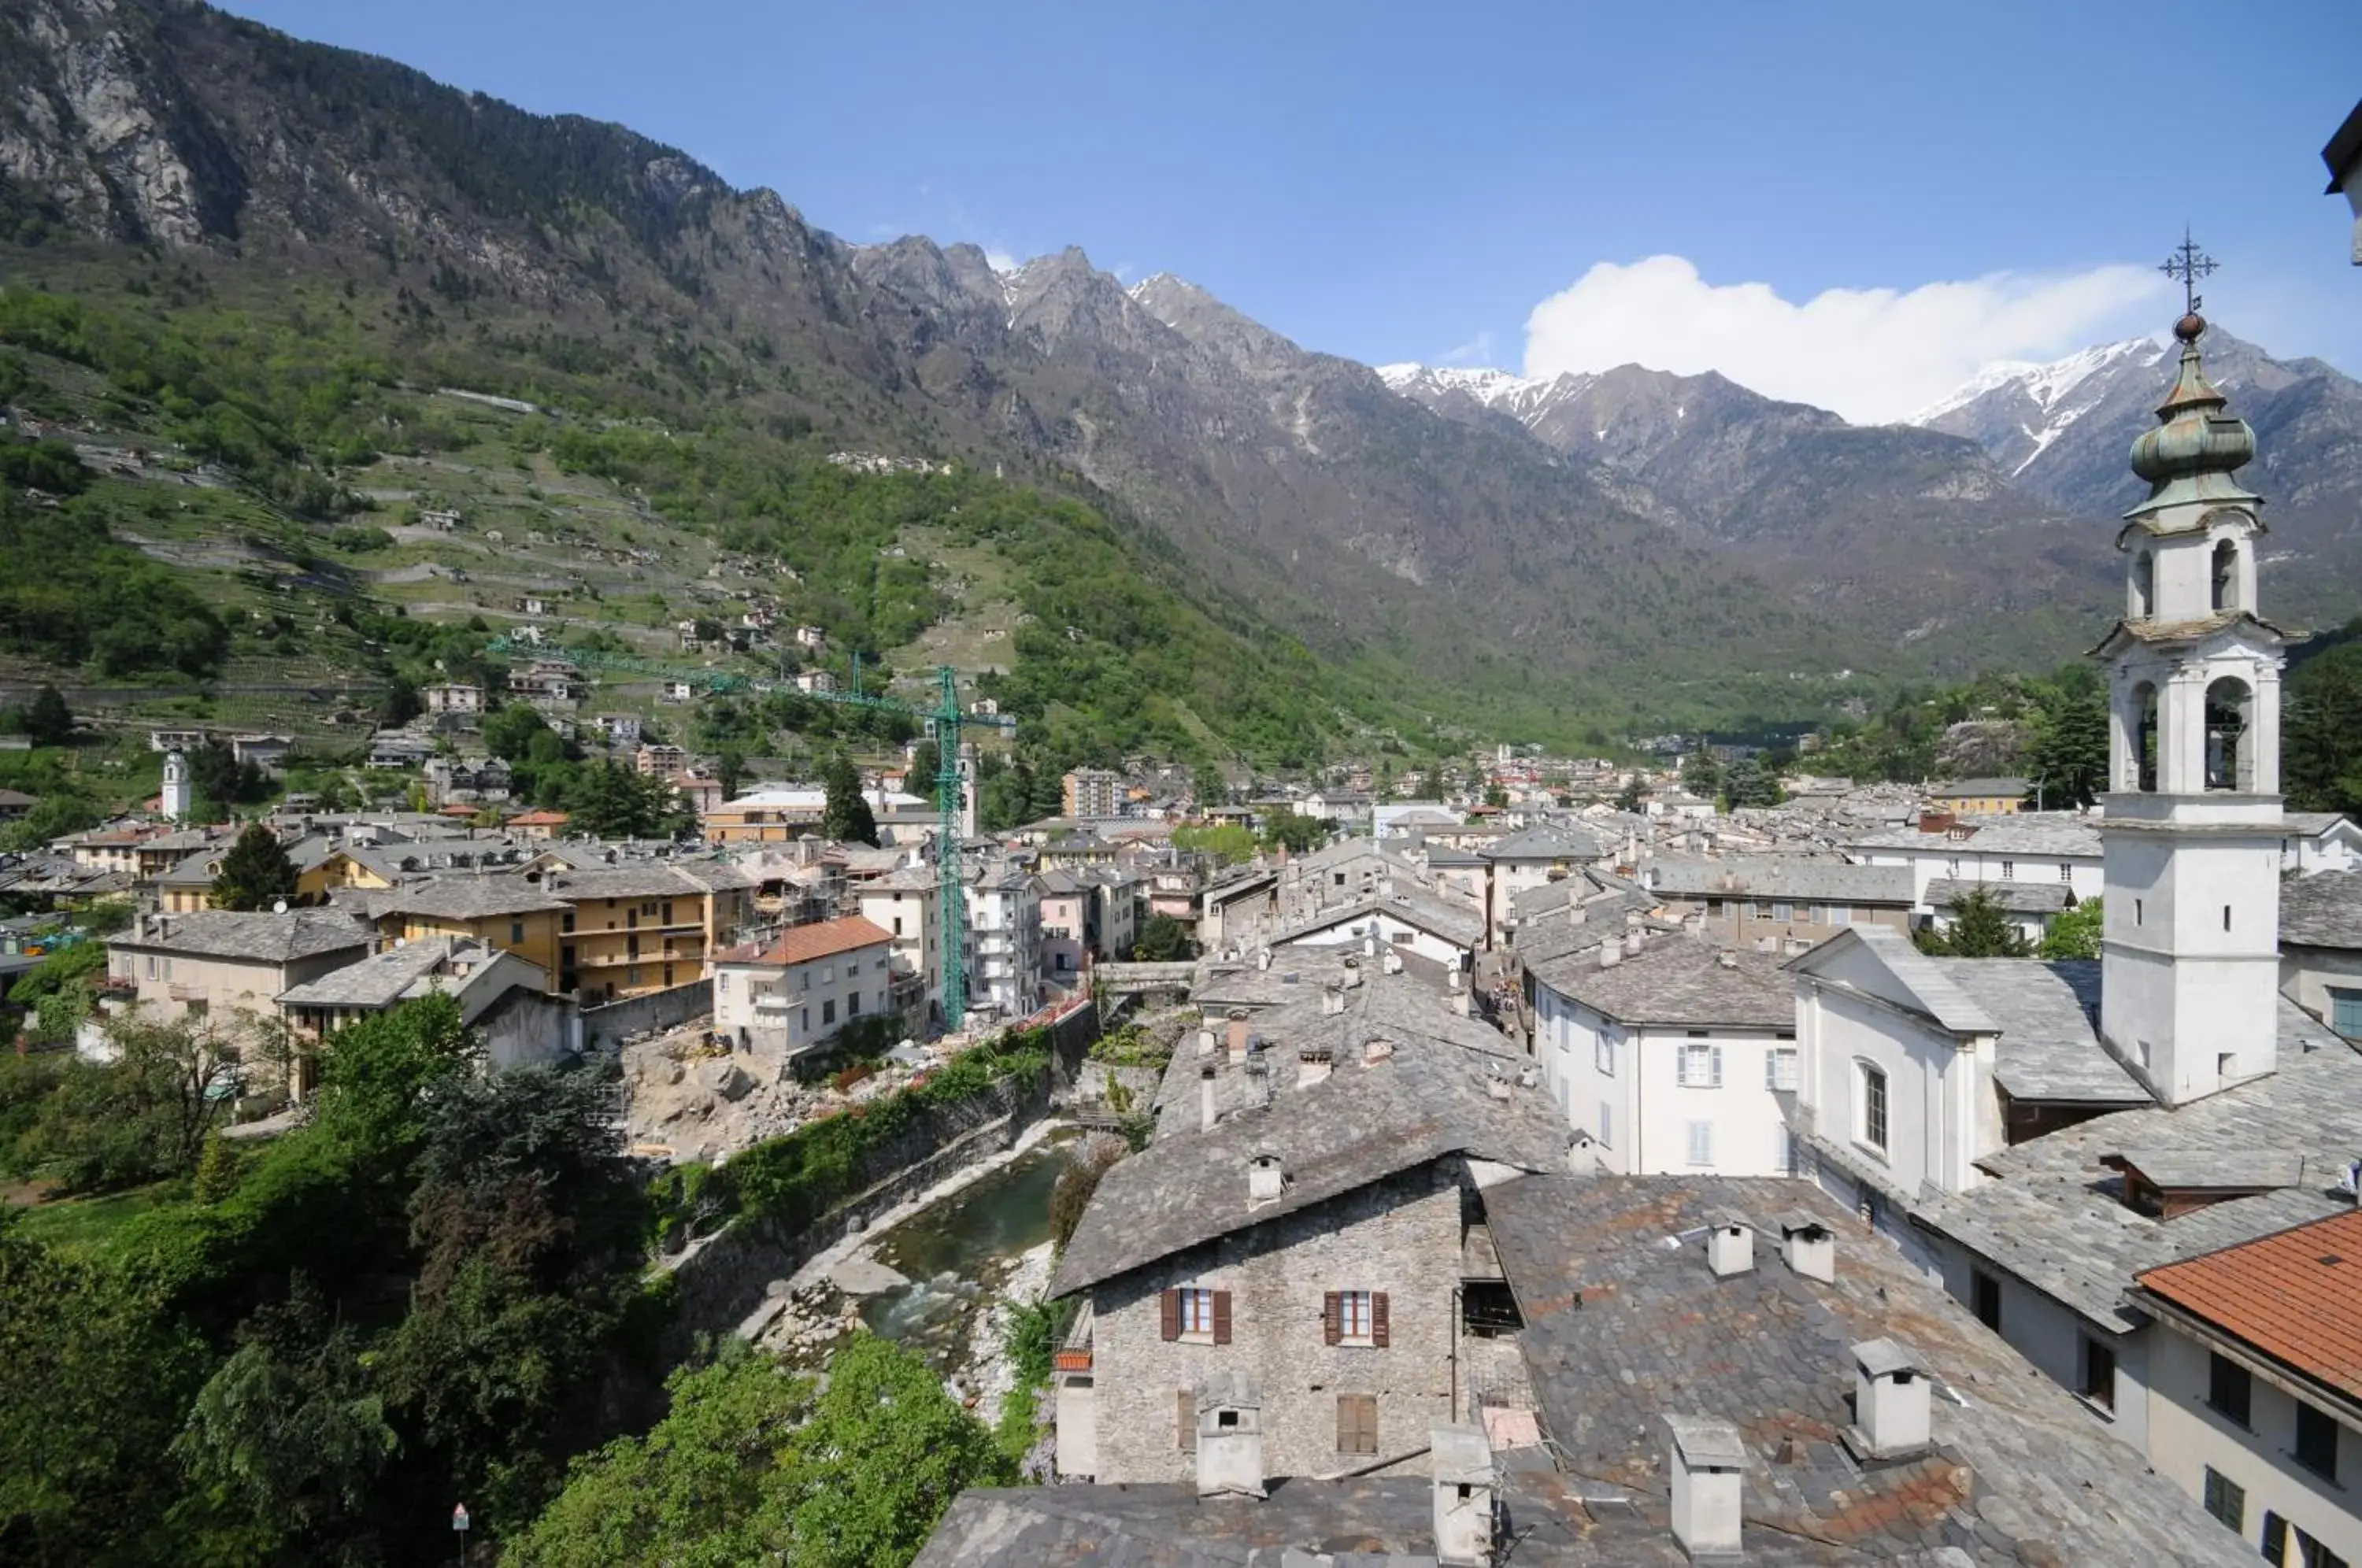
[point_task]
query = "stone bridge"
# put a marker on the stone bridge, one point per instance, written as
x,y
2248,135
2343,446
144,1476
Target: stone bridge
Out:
x,y
1131,979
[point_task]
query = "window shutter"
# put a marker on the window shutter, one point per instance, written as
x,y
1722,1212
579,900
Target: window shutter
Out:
x,y
1222,1317
1379,1331
1184,1418
1715,1059
1333,1328
1345,1424
1171,1305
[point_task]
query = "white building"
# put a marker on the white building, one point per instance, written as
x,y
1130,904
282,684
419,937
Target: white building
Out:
x,y
909,905
1004,943
454,697
797,991
2042,849
1675,1055
178,792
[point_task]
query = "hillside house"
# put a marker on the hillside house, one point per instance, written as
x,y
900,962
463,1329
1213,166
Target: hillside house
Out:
x,y
798,990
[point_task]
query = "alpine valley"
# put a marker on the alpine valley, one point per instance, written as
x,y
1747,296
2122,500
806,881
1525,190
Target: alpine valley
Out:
x,y
1167,525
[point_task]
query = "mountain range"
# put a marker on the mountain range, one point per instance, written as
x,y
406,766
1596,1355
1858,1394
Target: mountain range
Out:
x,y
1630,546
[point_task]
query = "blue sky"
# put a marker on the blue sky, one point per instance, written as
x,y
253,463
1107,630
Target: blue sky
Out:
x,y
1409,182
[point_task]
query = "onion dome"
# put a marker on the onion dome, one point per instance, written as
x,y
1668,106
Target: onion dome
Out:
x,y
2197,443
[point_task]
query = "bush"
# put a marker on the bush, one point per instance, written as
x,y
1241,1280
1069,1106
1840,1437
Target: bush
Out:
x,y
1086,1164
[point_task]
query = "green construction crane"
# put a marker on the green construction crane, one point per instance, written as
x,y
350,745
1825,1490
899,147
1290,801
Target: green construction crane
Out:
x,y
946,719
591,659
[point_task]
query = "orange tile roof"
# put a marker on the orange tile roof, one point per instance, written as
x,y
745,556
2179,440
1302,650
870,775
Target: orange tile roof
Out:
x,y
802,944
538,818
2295,1295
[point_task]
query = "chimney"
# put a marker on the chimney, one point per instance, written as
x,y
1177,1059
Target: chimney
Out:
x,y
1332,999
1207,1114
1808,1247
1263,957
1728,959
1730,1246
1932,821
1376,1051
1311,1067
1238,1034
1463,1496
1229,1436
1705,1461
1206,1043
1611,953
1890,1402
1632,941
1460,1003
1266,1177
1455,980
1393,963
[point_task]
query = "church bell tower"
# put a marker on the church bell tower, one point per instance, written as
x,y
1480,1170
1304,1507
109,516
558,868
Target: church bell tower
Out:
x,y
2190,997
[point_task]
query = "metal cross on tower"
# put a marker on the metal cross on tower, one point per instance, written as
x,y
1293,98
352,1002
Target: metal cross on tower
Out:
x,y
2185,266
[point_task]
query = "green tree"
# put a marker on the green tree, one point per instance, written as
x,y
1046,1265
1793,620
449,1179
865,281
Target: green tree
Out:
x,y
46,720
1229,842
1702,774
1497,797
2074,934
2070,762
846,817
222,779
287,1436
884,1454
399,704
1293,832
1164,940
730,769
510,732
926,758
53,816
1628,798
2320,743
607,799
1747,784
85,1414
256,873
691,1493
1981,928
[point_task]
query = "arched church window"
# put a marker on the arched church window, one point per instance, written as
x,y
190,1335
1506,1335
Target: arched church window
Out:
x,y
2144,728
2230,735
2143,594
2226,574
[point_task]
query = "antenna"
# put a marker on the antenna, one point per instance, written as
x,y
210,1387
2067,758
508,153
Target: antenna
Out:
x,y
2185,266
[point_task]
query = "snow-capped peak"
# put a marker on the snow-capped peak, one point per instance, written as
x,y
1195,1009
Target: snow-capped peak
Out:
x,y
2046,384
1485,386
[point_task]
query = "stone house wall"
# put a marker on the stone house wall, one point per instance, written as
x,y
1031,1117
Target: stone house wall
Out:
x,y
1401,1236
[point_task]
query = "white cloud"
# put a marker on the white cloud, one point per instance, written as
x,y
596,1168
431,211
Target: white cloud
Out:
x,y
1870,354
1000,260
1477,350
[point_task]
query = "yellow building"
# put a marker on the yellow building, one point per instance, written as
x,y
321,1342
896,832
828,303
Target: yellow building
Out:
x,y
607,931
1979,797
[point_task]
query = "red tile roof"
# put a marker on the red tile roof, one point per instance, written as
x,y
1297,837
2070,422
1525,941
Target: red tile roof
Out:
x,y
2295,1295
802,944
538,818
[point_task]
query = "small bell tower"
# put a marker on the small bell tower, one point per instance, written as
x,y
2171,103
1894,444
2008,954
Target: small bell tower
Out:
x,y
178,793
2191,947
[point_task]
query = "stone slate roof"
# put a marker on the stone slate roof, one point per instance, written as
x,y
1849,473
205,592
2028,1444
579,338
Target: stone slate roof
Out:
x,y
1679,980
2054,1216
380,979
1625,1325
1333,1137
2017,898
260,937
1783,876
1411,905
1548,842
1977,789
1407,1012
2049,1048
2324,910
647,879
467,896
1932,981
2025,833
1372,1522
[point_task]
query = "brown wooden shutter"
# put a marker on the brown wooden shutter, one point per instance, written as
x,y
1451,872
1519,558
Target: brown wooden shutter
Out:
x,y
1185,1419
1222,1317
1345,1424
1171,1304
1378,1330
1369,1403
1333,1317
